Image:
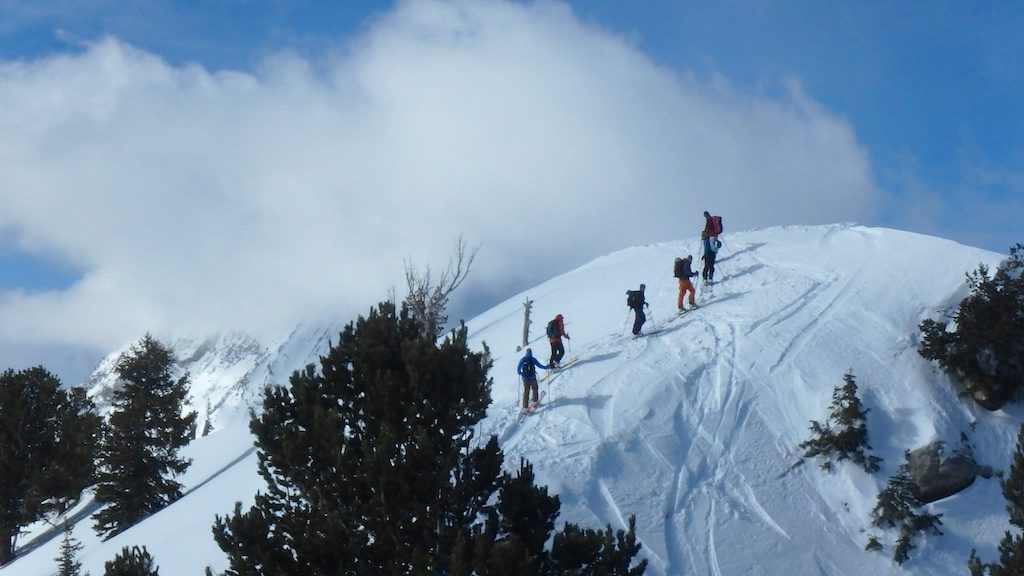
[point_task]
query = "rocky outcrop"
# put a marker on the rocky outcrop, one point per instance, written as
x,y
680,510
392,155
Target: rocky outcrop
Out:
x,y
936,476
988,395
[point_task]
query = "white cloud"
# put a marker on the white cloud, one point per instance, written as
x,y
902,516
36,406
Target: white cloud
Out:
x,y
196,200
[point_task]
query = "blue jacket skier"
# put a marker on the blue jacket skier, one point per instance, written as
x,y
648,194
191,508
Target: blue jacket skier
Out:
x,y
527,369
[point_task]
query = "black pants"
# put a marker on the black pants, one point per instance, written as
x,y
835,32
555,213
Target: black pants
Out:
x,y
638,322
557,351
708,273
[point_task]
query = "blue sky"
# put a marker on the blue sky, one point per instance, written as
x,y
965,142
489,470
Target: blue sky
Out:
x,y
907,115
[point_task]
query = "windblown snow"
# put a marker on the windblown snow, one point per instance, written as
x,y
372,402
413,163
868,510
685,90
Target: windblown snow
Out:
x,y
693,428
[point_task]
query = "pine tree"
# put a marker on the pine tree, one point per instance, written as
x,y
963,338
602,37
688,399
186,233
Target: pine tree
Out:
x,y
77,449
132,561
1011,547
1013,484
371,467
46,450
604,552
986,350
139,454
897,507
845,434
67,560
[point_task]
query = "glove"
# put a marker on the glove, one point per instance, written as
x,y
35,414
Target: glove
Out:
x,y
646,305
567,337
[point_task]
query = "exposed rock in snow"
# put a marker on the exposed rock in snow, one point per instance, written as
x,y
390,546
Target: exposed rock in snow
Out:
x,y
937,476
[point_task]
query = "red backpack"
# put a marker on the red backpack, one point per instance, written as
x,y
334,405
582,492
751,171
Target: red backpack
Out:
x,y
716,223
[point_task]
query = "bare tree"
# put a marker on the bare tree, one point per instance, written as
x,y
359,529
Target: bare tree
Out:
x,y
428,297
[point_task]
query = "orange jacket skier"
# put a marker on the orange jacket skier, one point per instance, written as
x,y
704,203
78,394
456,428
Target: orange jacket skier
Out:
x,y
683,272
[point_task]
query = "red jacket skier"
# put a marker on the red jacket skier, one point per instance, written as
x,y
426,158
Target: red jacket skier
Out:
x,y
555,331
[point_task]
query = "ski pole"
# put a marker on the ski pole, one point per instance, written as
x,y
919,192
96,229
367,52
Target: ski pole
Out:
x,y
626,321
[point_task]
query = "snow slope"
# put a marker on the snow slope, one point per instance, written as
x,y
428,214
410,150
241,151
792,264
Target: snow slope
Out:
x,y
694,429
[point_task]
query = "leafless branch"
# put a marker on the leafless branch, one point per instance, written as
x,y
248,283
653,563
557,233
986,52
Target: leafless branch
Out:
x,y
427,300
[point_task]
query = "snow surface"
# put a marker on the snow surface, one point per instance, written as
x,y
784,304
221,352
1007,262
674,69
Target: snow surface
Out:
x,y
694,428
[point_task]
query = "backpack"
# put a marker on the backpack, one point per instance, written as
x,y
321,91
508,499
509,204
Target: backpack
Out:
x,y
527,369
552,329
677,270
634,299
718,225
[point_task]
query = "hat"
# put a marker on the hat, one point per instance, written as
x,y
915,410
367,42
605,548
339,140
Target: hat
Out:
x,y
559,317
707,214
642,286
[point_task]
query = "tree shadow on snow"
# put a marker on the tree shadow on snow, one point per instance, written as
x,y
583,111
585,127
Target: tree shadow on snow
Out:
x,y
595,402
713,300
891,434
56,530
742,272
749,248
598,358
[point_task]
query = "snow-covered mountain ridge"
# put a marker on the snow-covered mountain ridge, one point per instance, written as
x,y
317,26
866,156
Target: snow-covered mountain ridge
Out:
x,y
693,429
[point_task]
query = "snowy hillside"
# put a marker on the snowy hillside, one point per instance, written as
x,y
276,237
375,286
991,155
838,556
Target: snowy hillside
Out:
x,y
694,428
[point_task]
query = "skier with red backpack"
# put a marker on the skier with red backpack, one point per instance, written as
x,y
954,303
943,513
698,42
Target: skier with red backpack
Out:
x,y
555,331
712,229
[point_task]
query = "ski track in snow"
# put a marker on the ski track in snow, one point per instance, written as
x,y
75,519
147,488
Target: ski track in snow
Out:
x,y
691,435
693,427
717,408
826,314
698,357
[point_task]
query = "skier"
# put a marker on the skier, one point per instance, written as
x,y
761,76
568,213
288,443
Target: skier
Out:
x,y
708,273
556,329
636,302
527,369
683,272
712,228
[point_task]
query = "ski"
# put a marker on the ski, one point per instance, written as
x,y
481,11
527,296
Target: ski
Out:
x,y
680,313
564,366
532,406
